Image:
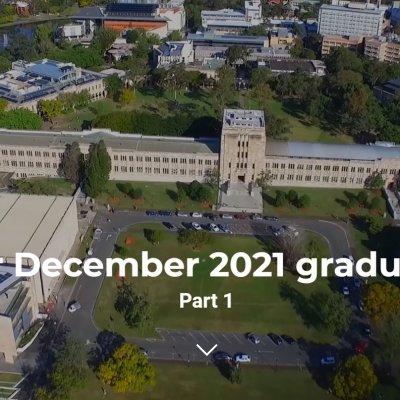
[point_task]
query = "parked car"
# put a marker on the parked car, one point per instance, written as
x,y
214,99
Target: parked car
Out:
x,y
345,290
288,339
197,215
165,213
221,356
361,346
275,338
144,351
151,213
360,305
213,227
269,218
242,216
226,216
170,226
196,226
328,360
253,338
366,330
242,358
224,228
212,216
291,230
74,306
357,282
276,231
182,214
257,217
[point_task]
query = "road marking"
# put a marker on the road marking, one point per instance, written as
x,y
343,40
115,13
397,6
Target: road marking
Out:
x,y
206,353
226,338
215,338
194,337
239,340
205,338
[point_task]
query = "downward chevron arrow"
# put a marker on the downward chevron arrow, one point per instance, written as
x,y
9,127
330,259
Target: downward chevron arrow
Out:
x,y
206,353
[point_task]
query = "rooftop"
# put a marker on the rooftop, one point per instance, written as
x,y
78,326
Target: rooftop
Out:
x,y
359,152
171,49
243,118
392,86
209,38
114,140
354,9
31,80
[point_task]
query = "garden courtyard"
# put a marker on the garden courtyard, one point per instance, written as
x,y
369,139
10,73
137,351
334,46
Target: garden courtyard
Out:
x,y
258,304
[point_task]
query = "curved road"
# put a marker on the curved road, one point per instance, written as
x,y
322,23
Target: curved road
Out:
x,y
181,345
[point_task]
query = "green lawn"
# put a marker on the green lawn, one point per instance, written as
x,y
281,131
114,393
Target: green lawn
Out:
x,y
325,202
257,303
156,195
178,382
46,186
9,377
302,130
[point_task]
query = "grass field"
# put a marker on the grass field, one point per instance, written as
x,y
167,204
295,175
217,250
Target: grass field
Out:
x,y
156,195
257,303
47,186
301,129
9,377
177,381
324,202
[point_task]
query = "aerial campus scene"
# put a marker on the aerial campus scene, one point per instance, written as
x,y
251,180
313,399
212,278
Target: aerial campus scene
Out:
x,y
199,199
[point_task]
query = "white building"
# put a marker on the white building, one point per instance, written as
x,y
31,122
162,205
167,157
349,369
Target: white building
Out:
x,y
169,53
353,19
46,226
228,20
74,30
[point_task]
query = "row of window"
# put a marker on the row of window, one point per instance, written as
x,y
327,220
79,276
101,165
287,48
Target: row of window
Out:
x,y
309,178
165,160
30,153
162,171
334,168
37,164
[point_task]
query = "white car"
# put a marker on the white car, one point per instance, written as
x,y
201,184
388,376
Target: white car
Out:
x,y
242,358
75,306
227,216
182,214
196,226
213,228
345,290
329,360
197,215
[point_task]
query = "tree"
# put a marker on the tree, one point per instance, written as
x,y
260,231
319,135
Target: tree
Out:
x,y
375,224
135,307
5,64
21,48
20,118
114,86
291,248
85,3
68,371
126,97
132,36
235,373
237,54
362,198
196,239
276,127
355,379
341,58
281,199
333,310
175,36
382,301
224,88
135,193
292,196
378,204
199,192
155,236
127,370
97,169
303,201
43,38
264,179
261,92
103,40
50,109
71,167
212,177
375,181
260,76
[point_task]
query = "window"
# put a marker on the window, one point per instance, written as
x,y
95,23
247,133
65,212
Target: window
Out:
x,y
54,165
54,154
165,160
139,158
318,168
4,152
392,172
208,162
309,167
384,171
327,168
13,163
12,153
361,170
353,169
192,161
182,171
290,177
156,170
156,159
6,163
291,166
38,164
215,162
282,177
275,165
147,159
123,158
192,172
317,178
335,168
334,179
37,154
147,170
115,157
325,178
183,160
359,181
200,162
46,154
165,171
343,179
116,168
131,158
267,165
299,177
274,176
308,178
30,163
131,169
20,152
283,166
29,153
22,163
368,170
140,169
344,169
174,160
200,172
300,166
47,165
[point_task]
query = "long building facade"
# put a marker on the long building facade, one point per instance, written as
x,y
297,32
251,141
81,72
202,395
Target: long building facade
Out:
x,y
242,152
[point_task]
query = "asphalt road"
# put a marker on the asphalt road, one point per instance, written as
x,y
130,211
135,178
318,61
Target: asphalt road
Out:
x,y
181,345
